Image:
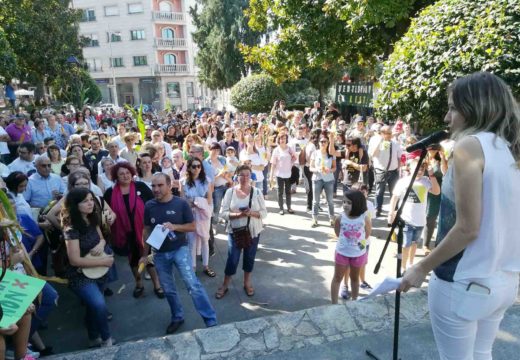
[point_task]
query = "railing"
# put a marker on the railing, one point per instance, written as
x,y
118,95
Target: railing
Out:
x,y
170,43
172,69
168,16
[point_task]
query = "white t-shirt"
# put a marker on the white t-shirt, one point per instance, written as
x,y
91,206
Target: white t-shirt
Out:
x,y
3,144
352,236
283,161
298,145
414,211
256,160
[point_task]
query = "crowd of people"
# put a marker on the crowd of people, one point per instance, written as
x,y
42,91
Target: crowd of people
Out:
x,y
88,187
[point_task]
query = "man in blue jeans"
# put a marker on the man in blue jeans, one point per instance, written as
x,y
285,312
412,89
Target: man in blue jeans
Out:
x,y
174,214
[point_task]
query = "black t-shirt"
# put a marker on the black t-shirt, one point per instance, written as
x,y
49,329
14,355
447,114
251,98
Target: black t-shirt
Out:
x,y
92,161
352,175
175,211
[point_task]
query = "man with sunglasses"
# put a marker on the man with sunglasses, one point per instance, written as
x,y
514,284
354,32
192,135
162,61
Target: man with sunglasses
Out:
x,y
25,160
43,186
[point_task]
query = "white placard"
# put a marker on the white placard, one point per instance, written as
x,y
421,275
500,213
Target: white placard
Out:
x,y
157,236
389,284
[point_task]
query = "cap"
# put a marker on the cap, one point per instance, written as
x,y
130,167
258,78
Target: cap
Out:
x,y
230,148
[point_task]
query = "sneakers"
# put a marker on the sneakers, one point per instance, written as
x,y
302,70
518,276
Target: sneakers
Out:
x,y
281,212
314,223
174,326
344,293
108,342
365,285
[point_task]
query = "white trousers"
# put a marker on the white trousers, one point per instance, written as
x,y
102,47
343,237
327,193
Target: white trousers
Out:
x,y
465,322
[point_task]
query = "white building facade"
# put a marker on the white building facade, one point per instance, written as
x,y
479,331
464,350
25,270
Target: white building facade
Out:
x,y
144,47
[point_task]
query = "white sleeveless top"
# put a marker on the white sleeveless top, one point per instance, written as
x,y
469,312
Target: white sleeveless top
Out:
x,y
497,246
352,236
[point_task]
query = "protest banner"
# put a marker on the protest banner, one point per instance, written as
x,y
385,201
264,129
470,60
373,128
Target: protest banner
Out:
x,y
17,292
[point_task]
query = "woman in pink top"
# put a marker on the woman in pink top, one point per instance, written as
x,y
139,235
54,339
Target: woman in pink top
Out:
x,y
282,161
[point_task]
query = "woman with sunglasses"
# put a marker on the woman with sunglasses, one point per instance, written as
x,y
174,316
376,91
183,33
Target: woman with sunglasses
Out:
x,y
323,166
236,210
194,186
80,125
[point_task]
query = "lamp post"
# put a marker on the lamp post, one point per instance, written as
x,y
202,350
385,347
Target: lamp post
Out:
x,y
113,86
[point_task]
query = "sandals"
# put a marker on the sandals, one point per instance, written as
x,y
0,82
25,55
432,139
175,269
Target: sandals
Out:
x,y
249,290
221,292
159,292
138,291
209,272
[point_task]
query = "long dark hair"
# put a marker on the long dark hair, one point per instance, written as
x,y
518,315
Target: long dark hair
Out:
x,y
70,214
202,175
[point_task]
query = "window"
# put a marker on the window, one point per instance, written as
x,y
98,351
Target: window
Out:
x,y
94,65
91,40
114,36
135,8
173,89
189,89
168,33
165,6
117,62
112,10
170,59
137,34
140,61
88,15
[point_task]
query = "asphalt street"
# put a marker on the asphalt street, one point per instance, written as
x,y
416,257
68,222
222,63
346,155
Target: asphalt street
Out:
x,y
293,270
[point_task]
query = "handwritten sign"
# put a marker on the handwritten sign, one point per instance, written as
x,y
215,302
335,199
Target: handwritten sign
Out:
x,y
355,93
17,292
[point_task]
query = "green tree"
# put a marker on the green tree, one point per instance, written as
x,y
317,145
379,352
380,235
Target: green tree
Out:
x,y
7,57
220,27
42,34
76,86
447,40
256,93
324,35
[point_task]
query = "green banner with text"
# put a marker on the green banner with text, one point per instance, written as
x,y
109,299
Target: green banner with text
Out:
x,y
355,94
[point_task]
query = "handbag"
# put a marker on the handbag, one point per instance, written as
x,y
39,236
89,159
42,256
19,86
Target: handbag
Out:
x,y
242,235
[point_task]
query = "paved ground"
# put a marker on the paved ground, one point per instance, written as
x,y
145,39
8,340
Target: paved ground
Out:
x,y
293,269
416,343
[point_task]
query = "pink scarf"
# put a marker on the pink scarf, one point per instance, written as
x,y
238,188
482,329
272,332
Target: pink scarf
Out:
x,y
122,226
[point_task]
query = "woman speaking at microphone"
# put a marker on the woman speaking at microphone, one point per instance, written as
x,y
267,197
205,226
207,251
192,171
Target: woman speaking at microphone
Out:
x,y
476,263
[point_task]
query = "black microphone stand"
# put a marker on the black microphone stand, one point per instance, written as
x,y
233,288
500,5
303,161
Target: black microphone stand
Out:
x,y
398,223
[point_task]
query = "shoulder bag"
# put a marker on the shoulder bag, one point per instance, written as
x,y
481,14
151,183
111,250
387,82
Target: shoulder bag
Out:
x,y
242,235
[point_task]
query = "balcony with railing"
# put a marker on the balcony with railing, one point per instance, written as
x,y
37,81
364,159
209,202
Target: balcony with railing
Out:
x,y
168,16
170,43
171,69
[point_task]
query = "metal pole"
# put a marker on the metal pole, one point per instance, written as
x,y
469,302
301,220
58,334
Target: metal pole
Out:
x,y
114,86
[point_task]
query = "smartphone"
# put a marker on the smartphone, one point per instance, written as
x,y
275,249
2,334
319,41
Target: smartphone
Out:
x,y
243,208
478,288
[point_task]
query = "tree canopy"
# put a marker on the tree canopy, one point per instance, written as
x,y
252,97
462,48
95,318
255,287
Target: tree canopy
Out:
x,y
447,40
220,27
323,35
41,36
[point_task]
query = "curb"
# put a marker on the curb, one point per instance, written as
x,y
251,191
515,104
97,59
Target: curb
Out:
x,y
273,334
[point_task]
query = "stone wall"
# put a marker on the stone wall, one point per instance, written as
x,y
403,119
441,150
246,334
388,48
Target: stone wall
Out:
x,y
268,335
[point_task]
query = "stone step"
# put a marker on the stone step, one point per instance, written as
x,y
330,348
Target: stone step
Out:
x,y
325,332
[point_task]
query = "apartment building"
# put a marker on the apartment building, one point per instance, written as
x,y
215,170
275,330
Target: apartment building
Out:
x,y
145,48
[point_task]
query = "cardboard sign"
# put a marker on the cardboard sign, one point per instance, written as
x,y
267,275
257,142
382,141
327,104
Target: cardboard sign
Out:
x,y
17,292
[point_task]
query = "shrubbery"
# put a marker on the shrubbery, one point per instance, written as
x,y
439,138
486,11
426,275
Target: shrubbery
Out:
x,y
447,40
256,93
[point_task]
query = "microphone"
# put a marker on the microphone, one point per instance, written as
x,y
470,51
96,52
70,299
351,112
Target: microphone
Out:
x,y
429,140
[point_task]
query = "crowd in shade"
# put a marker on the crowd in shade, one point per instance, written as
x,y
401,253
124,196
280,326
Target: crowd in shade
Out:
x,y
88,187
